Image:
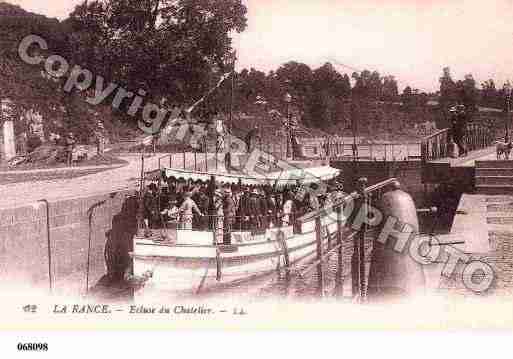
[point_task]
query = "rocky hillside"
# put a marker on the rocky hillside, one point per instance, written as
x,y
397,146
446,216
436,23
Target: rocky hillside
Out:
x,y
29,88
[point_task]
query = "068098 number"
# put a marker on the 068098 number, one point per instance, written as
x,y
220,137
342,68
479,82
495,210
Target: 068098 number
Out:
x,y
35,347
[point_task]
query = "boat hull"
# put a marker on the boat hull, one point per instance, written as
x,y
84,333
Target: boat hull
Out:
x,y
185,270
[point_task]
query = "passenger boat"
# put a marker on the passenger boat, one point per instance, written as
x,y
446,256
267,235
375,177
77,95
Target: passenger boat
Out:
x,y
194,263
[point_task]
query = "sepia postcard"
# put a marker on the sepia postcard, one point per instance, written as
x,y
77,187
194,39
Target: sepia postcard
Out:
x,y
244,164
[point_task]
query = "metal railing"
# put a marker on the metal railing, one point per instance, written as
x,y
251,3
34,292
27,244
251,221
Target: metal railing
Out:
x,y
437,146
339,150
212,161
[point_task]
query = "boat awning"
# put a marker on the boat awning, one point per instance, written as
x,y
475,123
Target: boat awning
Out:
x,y
280,178
305,175
220,177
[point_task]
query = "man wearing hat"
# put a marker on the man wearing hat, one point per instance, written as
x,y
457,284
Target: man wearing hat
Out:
x,y
165,196
229,212
254,211
264,209
203,202
218,219
242,208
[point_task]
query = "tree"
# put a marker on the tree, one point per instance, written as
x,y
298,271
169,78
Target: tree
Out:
x,y
390,90
488,92
22,83
468,93
297,79
328,78
169,48
407,97
448,90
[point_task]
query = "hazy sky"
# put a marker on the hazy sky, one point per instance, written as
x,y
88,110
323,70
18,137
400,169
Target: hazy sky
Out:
x,y
411,39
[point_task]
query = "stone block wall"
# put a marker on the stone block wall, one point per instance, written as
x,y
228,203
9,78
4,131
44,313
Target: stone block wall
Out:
x,y
89,238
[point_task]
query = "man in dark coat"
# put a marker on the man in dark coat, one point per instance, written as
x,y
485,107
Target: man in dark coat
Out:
x,y
254,210
264,211
203,201
151,207
229,212
458,128
243,210
272,208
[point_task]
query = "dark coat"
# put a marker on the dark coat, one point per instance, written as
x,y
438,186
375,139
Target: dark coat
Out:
x,y
150,201
229,209
243,210
264,208
254,209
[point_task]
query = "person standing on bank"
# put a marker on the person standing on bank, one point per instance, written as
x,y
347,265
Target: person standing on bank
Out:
x,y
458,128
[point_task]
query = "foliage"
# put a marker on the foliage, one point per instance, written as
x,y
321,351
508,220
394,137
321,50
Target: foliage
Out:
x,y
169,48
462,92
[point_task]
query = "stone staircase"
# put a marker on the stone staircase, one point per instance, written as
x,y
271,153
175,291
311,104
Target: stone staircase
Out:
x,y
494,177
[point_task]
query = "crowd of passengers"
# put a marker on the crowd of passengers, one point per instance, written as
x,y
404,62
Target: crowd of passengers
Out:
x,y
198,205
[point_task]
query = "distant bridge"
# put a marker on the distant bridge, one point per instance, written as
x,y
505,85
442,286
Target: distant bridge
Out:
x,y
478,171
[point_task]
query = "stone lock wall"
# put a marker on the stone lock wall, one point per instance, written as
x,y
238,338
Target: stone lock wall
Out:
x,y
89,238
407,172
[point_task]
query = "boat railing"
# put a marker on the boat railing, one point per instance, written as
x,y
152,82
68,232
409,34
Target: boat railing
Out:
x,y
254,224
331,237
361,202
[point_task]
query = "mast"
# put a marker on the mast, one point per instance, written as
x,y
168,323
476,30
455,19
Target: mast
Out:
x,y
232,94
